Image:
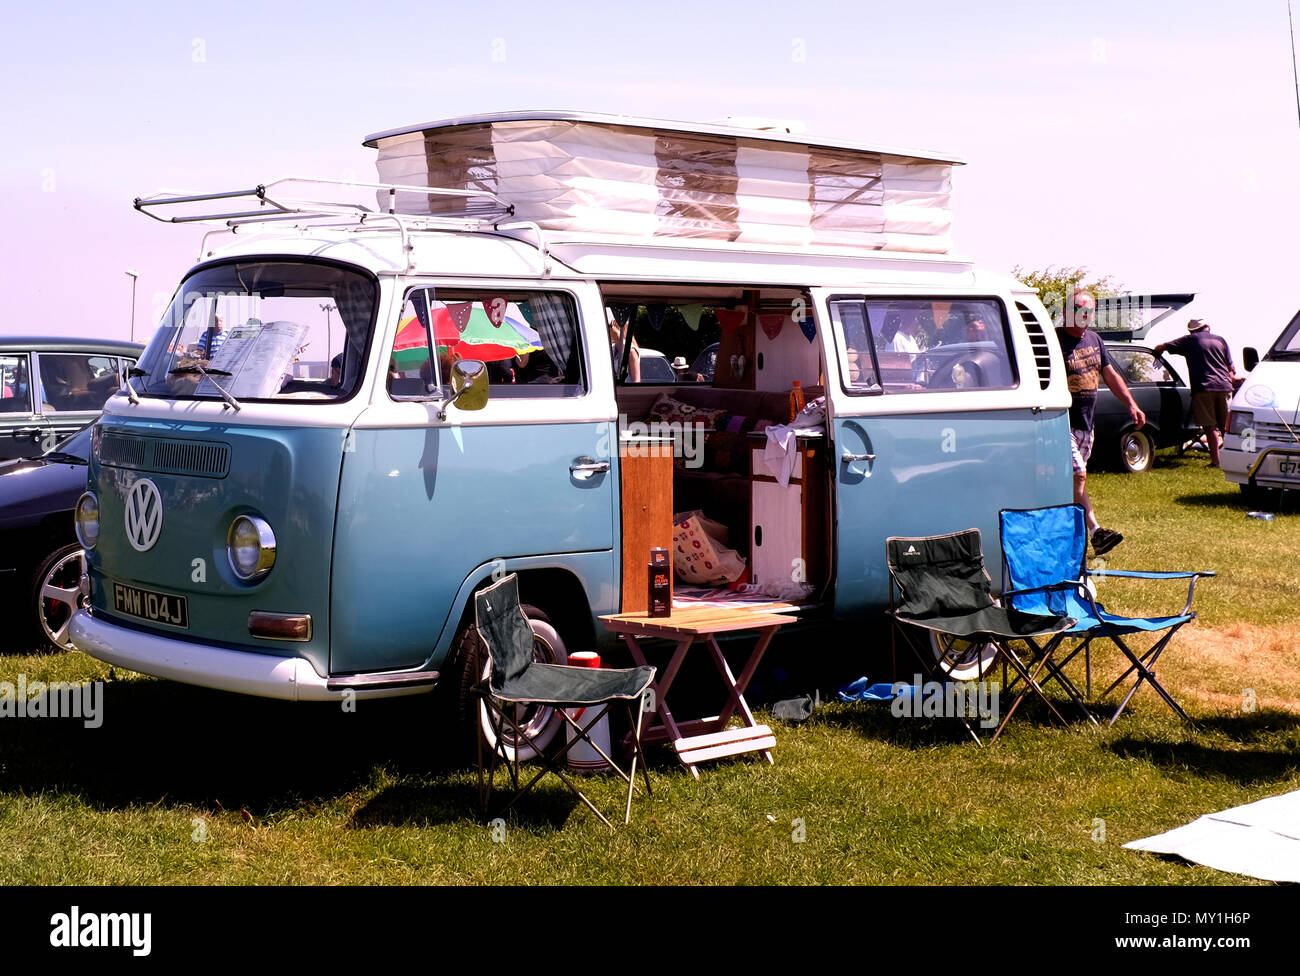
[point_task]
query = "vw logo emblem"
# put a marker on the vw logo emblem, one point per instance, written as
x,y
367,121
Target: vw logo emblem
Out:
x,y
143,515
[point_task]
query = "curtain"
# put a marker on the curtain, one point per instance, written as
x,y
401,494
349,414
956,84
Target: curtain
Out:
x,y
554,323
354,297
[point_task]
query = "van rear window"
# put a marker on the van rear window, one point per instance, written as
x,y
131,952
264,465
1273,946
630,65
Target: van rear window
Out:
x,y
915,345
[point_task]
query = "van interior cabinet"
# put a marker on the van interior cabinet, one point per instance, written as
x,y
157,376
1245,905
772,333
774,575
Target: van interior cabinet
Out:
x,y
646,466
788,526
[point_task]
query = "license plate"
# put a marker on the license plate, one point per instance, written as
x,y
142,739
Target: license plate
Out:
x,y
158,608
1287,466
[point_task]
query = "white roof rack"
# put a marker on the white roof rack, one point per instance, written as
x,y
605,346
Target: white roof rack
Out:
x,y
481,206
482,210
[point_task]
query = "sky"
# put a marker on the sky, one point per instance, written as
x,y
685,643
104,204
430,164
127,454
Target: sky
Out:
x,y
1155,142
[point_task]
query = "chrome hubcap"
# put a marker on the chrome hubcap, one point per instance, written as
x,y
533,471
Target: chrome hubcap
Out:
x,y
532,719
1135,452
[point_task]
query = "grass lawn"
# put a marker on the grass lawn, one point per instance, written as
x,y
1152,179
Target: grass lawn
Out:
x,y
183,785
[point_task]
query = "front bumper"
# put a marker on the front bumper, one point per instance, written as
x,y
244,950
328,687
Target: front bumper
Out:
x,y
1245,468
264,675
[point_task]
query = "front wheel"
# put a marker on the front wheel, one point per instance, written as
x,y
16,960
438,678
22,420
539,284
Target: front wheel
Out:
x,y
541,723
56,596
962,660
1136,452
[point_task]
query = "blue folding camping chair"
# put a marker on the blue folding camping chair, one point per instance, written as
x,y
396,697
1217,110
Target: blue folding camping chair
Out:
x,y
1043,552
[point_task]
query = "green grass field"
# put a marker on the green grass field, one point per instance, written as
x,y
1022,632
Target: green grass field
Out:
x,y
186,786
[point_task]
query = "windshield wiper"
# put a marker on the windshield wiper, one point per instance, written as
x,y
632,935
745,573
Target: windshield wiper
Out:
x,y
207,374
134,371
63,457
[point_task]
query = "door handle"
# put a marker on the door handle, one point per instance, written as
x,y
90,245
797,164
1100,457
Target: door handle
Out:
x,y
849,458
585,467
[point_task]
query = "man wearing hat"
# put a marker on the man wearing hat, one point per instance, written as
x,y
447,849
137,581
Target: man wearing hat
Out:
x,y
1209,363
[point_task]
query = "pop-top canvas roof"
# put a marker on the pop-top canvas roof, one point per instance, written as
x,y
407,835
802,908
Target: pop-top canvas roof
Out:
x,y
644,178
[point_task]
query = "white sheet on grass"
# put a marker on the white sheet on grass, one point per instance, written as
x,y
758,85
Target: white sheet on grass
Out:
x,y
1260,839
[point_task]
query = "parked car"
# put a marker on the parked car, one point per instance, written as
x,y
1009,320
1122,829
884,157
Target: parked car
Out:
x,y
1163,397
40,560
49,387
655,367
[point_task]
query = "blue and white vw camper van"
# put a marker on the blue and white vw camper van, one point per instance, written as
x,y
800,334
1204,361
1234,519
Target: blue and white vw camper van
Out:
x,y
353,415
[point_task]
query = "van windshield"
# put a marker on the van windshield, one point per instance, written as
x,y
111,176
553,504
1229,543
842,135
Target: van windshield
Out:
x,y
1288,343
262,330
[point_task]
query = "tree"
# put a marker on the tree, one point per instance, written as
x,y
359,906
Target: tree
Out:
x,y
1055,285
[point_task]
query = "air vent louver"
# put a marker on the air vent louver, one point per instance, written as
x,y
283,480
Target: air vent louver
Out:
x,y
206,459
1042,354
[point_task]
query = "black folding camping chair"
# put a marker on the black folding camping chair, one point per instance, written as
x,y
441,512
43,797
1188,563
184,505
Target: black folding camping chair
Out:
x,y
515,679
944,590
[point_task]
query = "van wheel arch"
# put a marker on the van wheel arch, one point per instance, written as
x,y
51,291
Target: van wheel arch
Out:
x,y
556,606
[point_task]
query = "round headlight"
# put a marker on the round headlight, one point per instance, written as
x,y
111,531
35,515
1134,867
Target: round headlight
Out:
x,y
86,516
250,546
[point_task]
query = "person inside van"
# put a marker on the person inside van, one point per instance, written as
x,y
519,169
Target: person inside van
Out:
x,y
616,338
976,330
905,337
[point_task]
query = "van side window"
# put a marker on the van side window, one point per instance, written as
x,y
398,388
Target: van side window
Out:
x,y
530,342
914,345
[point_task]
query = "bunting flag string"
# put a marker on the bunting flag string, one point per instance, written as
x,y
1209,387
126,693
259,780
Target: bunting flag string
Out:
x,y
656,313
772,324
691,313
622,312
460,313
496,310
730,319
809,328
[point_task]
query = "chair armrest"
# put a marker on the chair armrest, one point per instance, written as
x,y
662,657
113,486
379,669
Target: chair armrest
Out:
x,y
1063,585
1193,576
1135,574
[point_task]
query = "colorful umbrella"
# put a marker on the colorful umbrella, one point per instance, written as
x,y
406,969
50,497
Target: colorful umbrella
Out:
x,y
480,340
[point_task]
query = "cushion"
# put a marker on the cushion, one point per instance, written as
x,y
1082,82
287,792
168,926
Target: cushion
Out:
x,y
699,555
668,410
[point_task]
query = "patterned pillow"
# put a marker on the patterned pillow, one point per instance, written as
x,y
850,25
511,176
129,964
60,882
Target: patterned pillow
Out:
x,y
700,558
669,411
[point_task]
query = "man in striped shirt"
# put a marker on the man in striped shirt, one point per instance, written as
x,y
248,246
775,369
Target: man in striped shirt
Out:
x,y
211,339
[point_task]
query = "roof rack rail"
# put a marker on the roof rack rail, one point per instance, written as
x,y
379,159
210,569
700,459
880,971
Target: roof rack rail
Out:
x,y
484,210
481,206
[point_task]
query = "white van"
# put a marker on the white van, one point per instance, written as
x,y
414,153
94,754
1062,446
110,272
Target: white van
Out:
x,y
351,419
1261,449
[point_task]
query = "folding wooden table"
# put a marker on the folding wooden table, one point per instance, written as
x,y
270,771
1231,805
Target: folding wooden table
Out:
x,y
700,739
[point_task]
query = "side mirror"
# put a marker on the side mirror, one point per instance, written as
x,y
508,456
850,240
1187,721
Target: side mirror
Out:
x,y
469,385
1250,357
